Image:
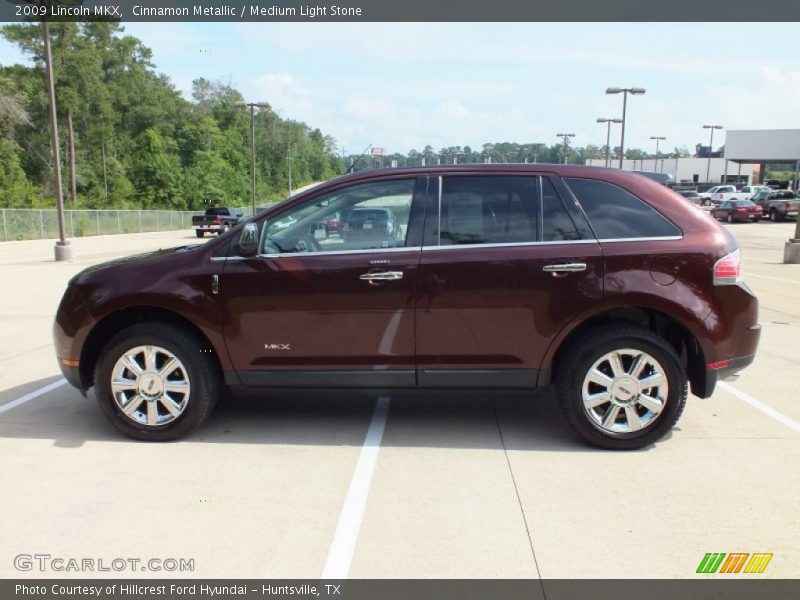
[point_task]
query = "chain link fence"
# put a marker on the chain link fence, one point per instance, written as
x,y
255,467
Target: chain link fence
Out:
x,y
39,224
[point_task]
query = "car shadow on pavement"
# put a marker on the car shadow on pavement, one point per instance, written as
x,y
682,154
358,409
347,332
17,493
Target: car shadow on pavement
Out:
x,y
520,421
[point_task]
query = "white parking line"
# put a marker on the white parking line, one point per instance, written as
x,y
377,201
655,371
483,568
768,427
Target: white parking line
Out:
x,y
767,410
340,554
775,278
49,387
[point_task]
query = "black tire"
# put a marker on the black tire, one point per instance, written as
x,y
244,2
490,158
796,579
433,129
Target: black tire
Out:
x,y
773,215
199,233
579,359
200,368
730,218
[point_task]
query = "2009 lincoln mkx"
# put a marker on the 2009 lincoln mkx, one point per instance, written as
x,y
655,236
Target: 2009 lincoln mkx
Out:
x,y
603,283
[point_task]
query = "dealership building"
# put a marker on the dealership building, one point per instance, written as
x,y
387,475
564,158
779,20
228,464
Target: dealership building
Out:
x,y
748,153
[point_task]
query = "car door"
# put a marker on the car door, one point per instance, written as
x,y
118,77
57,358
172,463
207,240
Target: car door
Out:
x,y
505,266
317,311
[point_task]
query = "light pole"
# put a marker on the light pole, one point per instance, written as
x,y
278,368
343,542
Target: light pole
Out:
x,y
624,92
63,249
608,135
565,136
657,138
710,148
252,106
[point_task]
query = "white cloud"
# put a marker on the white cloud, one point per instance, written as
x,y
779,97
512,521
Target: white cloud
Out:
x,y
453,109
283,92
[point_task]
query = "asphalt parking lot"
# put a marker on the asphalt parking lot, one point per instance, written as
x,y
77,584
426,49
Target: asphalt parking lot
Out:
x,y
490,486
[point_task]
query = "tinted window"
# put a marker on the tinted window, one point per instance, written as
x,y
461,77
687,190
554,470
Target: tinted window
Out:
x,y
615,213
488,210
217,211
557,224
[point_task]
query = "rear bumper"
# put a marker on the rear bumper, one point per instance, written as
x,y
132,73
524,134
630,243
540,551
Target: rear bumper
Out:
x,y
730,372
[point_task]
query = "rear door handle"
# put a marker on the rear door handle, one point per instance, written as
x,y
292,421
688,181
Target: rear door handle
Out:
x,y
382,276
564,268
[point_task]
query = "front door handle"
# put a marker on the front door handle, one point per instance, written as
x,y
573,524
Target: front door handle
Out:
x,y
564,268
382,276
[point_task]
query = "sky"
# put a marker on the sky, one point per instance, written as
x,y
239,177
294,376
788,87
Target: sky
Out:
x,y
404,85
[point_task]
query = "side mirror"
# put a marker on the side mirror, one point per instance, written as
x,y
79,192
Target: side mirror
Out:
x,y
248,240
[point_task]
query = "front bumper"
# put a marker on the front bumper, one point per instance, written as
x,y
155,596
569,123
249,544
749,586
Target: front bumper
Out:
x,y
73,376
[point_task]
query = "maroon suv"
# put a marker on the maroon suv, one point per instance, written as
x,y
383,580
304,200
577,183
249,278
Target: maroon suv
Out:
x,y
602,282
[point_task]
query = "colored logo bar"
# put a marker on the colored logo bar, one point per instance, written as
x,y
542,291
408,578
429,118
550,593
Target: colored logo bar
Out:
x,y
735,562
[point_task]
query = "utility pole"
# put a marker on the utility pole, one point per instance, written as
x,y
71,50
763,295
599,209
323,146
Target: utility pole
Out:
x,y
289,162
252,106
657,138
710,148
566,147
608,136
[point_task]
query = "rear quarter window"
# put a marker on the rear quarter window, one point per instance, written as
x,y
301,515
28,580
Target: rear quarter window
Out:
x,y
615,213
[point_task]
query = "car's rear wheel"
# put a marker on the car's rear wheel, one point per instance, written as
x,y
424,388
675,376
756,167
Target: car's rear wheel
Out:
x,y
621,387
730,218
199,233
156,381
773,215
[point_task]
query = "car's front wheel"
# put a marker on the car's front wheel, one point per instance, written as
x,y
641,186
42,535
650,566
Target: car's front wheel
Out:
x,y
156,381
621,387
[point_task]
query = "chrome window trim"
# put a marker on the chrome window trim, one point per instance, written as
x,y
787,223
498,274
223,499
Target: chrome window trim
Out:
x,y
508,245
448,247
551,243
340,252
663,238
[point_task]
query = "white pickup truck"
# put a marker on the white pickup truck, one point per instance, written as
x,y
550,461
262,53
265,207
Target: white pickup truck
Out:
x,y
746,193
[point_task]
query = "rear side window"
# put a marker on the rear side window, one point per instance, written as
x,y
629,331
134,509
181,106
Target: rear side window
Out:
x,y
615,213
488,210
556,222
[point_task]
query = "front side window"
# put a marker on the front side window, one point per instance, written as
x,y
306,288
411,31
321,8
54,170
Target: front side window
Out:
x,y
488,210
361,217
615,213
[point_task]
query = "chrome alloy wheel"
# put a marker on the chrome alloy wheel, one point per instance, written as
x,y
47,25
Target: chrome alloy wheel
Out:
x,y
150,385
624,391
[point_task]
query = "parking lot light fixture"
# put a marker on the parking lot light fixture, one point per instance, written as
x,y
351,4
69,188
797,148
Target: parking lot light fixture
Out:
x,y
566,147
710,147
608,135
657,138
636,91
252,106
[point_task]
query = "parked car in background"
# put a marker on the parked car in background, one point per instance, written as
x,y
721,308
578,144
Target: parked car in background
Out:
x,y
692,196
737,210
709,196
778,205
369,223
217,219
600,282
746,193
332,224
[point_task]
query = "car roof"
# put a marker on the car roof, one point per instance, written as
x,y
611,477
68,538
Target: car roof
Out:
x,y
603,173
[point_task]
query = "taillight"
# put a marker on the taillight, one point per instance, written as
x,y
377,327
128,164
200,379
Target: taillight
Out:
x,y
218,220
728,269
